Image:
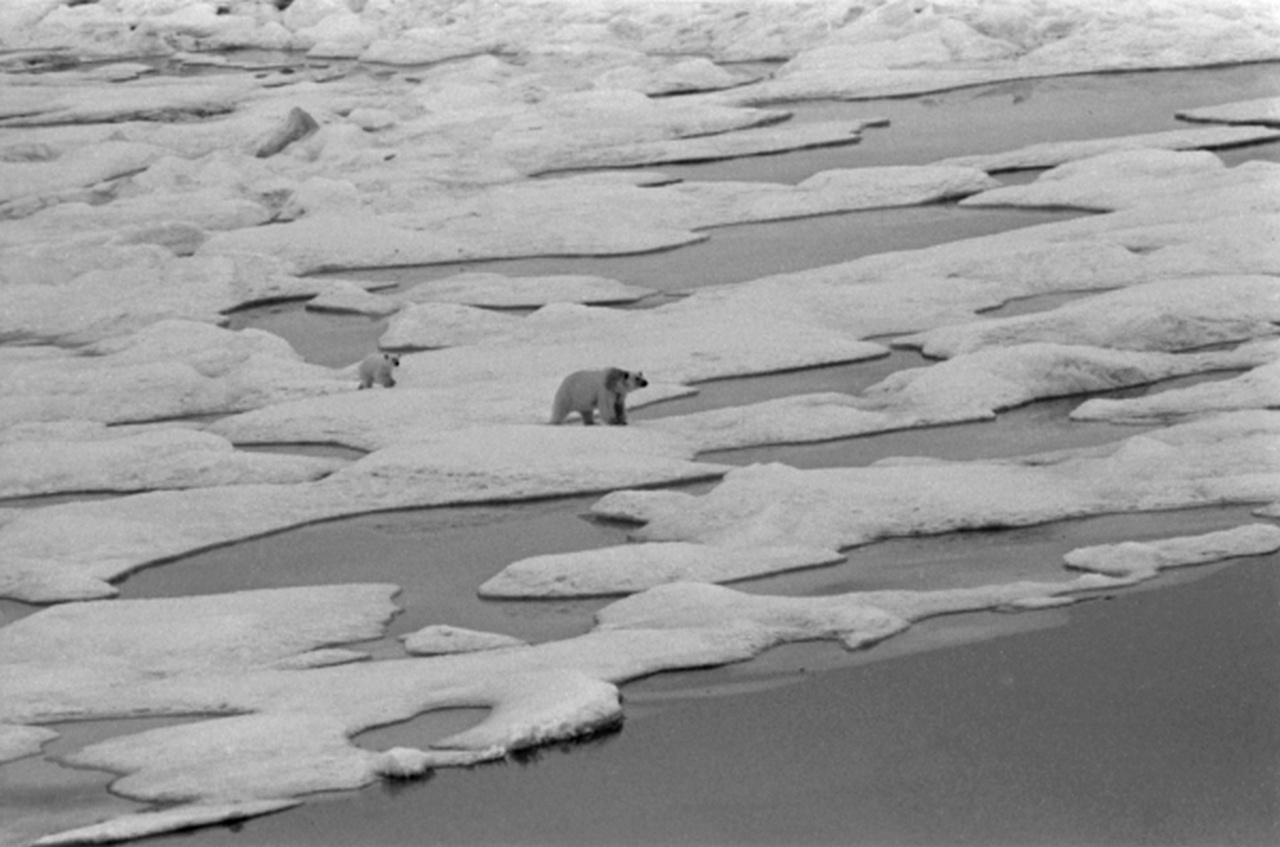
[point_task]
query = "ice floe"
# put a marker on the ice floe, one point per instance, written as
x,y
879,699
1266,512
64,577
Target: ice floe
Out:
x,y
1219,460
18,741
441,639
169,369
906,47
561,217
499,291
1052,154
136,216
272,734
1258,388
51,460
1264,111
1143,177
770,518
1168,315
161,821
73,550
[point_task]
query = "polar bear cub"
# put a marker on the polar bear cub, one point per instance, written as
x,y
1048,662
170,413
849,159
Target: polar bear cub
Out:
x,y
377,368
585,391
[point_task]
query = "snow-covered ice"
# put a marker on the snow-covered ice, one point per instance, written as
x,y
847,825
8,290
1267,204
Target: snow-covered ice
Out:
x,y
1052,154
1230,458
1258,388
278,732
135,216
56,460
441,639
1167,315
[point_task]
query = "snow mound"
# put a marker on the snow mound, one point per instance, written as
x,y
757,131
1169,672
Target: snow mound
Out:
x,y
1169,315
440,639
1052,154
1258,388
499,291
290,730
1143,177
1223,459
636,567
1264,111
138,461
170,369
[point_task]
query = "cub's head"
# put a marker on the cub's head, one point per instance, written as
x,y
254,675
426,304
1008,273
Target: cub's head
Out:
x,y
393,360
624,381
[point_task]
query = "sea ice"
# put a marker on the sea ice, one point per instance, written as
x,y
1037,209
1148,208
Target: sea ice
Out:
x,y
1144,177
169,369
1264,111
562,217
431,325
1169,315
72,550
771,518
1228,458
1054,153
161,821
1139,560
1258,388
498,291
102,459
441,639
287,732
18,741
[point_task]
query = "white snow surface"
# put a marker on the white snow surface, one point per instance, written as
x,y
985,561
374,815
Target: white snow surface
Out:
x,y
101,459
1258,388
134,216
287,731
1229,458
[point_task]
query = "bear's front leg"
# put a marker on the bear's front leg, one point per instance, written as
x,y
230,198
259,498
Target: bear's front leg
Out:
x,y
588,417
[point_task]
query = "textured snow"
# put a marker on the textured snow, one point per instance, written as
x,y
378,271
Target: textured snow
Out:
x,y
18,741
772,518
441,639
507,292
134,216
1258,388
143,824
73,550
1141,177
52,461
276,733
1264,111
632,568
1169,315
1230,458
1139,560
562,217
170,368
1054,153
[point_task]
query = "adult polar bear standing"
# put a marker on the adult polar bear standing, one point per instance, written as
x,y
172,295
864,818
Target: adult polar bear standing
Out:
x,y
585,391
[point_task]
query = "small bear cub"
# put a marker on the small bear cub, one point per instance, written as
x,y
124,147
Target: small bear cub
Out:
x,y
377,368
585,391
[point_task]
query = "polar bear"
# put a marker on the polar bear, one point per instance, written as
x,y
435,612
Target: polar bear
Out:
x,y
377,368
585,391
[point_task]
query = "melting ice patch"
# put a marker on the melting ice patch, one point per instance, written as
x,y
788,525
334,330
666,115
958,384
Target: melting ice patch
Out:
x,y
289,730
